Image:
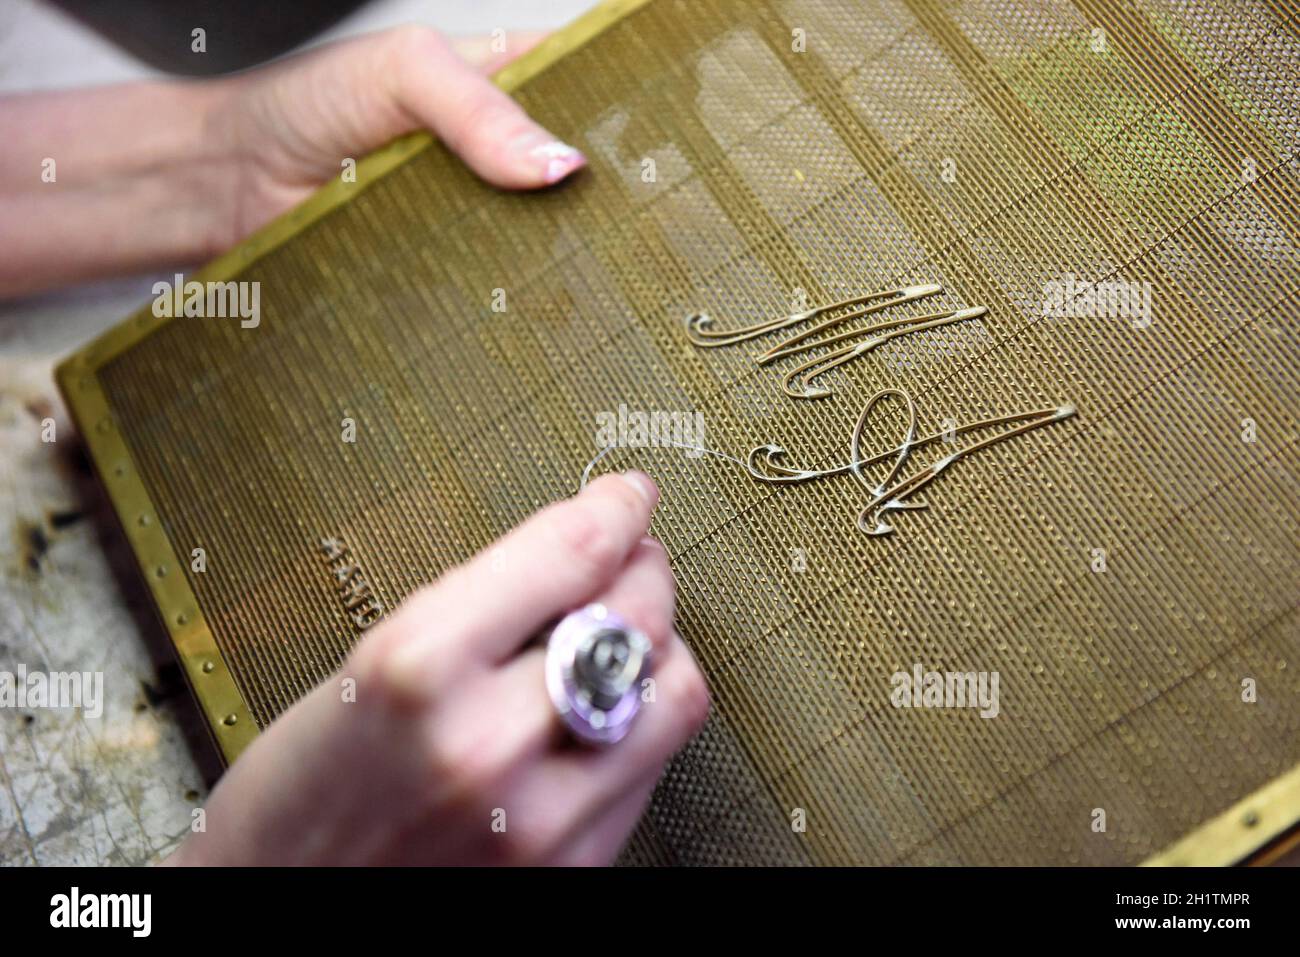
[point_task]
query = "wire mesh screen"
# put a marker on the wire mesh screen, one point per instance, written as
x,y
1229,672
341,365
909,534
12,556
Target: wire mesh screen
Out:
x,y
1129,574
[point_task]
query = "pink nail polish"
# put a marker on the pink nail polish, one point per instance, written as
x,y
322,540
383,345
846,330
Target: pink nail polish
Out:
x,y
557,160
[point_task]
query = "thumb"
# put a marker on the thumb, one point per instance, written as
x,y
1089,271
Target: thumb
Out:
x,y
477,121
487,55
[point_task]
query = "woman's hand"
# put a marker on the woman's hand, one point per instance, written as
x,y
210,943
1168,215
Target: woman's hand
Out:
x,y
139,176
450,752
290,126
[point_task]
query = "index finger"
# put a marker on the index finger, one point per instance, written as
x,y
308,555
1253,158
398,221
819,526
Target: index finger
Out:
x,y
557,560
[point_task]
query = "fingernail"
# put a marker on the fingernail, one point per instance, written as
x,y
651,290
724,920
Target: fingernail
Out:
x,y
556,160
650,542
403,672
642,483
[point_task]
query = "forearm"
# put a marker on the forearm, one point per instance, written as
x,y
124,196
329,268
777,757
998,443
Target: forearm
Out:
x,y
150,175
109,181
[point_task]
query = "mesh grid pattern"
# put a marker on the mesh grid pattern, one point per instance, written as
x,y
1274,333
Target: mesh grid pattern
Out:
x,y
1149,142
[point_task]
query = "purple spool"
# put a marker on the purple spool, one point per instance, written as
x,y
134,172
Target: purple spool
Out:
x,y
595,663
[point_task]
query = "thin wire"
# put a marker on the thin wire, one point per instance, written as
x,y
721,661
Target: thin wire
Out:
x,y
586,473
892,493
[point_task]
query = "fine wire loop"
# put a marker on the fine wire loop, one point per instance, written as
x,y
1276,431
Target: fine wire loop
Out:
x,y
903,296
798,382
895,496
700,332
910,323
765,462
892,494
586,473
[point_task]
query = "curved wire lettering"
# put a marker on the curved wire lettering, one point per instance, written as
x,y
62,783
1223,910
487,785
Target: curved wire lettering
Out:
x,y
797,383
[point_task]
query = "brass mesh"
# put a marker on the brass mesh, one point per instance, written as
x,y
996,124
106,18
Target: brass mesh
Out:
x,y
992,147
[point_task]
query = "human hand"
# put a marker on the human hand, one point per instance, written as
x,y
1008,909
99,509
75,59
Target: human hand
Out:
x,y
452,731
290,126
134,177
